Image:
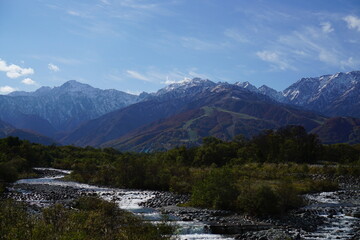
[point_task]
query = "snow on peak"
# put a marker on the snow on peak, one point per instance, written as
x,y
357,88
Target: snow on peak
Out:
x,y
327,88
75,86
247,86
186,84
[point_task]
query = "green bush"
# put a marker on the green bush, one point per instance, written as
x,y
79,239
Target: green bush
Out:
x,y
264,199
258,200
216,190
8,172
93,219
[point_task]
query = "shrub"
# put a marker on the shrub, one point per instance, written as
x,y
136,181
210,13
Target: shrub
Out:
x,y
264,199
94,219
216,190
258,200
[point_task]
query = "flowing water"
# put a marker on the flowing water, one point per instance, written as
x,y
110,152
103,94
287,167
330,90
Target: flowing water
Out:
x,y
126,199
339,224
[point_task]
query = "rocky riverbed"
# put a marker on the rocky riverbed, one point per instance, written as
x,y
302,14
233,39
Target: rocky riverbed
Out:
x,y
334,215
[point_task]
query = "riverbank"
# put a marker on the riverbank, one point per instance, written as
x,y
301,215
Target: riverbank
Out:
x,y
323,213
319,219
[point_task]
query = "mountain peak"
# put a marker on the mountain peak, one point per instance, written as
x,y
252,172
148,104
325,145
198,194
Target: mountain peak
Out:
x,y
272,93
186,85
42,91
74,85
325,93
192,82
247,86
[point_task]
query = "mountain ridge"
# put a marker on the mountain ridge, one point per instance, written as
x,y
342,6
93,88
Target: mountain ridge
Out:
x,y
186,111
63,108
7,130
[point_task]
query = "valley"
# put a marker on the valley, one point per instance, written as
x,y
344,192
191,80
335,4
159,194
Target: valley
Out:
x,y
179,120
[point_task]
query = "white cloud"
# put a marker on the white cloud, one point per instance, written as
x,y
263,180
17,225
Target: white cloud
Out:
x,y
6,89
137,75
28,81
193,74
156,76
200,45
74,13
310,45
169,81
275,59
329,57
176,76
236,35
53,67
106,2
350,62
133,92
353,22
326,27
14,71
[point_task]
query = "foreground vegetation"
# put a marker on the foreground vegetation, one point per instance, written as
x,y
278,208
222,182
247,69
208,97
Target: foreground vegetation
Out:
x,y
92,219
264,175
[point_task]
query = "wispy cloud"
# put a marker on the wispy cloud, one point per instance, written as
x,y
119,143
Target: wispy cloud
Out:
x,y
28,81
310,44
105,16
137,75
74,13
6,89
62,60
14,71
53,67
105,2
350,62
326,27
353,22
235,35
133,92
275,58
115,77
200,44
157,76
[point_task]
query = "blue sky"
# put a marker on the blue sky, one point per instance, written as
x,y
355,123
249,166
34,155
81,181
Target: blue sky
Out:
x,y
142,45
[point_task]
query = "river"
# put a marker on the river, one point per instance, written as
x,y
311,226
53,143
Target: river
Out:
x,y
339,210
126,199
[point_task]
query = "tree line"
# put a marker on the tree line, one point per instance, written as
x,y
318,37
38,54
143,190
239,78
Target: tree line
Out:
x,y
240,175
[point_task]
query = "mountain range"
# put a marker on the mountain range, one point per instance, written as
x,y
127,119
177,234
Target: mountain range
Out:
x,y
183,113
51,111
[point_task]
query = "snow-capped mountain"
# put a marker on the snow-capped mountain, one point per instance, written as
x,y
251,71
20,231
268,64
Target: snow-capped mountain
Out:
x,y
186,112
186,88
49,110
333,95
247,86
272,93
265,90
199,102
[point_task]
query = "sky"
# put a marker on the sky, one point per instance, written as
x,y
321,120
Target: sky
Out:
x,y
143,45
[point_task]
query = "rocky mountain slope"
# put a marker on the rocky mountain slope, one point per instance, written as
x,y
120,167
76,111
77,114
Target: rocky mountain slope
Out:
x,y
59,109
332,95
7,130
172,117
339,129
184,112
223,112
166,102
